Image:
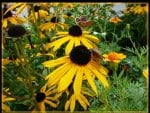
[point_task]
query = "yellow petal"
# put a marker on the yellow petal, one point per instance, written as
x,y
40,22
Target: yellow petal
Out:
x,y
43,89
20,20
86,32
85,43
59,42
52,98
72,103
56,37
12,20
48,92
5,108
99,75
67,79
78,81
100,68
13,7
69,46
89,78
4,23
82,103
8,99
50,103
54,63
42,106
61,33
85,99
77,42
20,9
46,26
56,75
67,105
92,44
92,38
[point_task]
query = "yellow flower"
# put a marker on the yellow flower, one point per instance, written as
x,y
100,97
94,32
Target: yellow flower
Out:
x,y
48,26
72,101
141,9
68,15
145,73
5,61
67,5
5,107
129,10
40,14
46,96
72,68
9,17
20,7
115,20
114,57
74,37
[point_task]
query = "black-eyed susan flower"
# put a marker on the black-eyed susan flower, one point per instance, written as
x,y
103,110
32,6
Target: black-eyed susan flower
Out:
x,y
114,57
145,73
115,20
68,15
73,67
5,107
38,14
46,96
48,26
141,9
10,17
74,37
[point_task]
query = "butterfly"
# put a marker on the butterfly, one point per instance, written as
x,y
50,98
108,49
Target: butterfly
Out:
x,y
96,54
83,21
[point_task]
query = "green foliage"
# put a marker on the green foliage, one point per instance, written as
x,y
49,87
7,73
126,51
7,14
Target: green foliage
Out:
x,y
25,74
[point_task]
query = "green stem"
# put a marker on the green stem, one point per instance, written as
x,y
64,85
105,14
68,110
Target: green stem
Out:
x,y
37,29
26,67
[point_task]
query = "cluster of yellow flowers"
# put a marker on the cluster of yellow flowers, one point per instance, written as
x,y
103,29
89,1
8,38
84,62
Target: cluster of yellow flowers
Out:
x,y
72,70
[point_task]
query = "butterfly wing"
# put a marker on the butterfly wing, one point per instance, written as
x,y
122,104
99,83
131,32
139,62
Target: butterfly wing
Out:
x,y
85,24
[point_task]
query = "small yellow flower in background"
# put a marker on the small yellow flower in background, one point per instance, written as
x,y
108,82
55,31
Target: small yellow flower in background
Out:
x,y
145,73
48,26
141,9
46,96
71,69
68,15
8,16
129,10
5,107
67,5
114,57
74,37
5,61
40,14
115,20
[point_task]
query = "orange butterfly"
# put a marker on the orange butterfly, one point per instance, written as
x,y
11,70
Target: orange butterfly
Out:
x,y
83,22
96,54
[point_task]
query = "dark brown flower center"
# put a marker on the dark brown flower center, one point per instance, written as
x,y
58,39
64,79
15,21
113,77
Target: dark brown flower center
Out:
x,y
16,31
75,31
54,20
40,97
36,8
143,5
80,55
68,14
